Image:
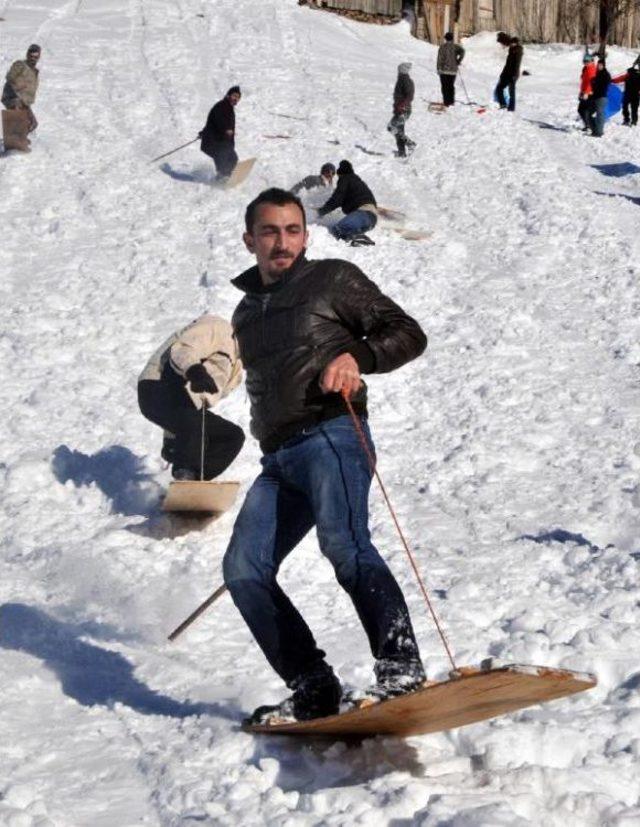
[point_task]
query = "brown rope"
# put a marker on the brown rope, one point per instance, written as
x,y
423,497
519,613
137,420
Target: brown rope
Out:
x,y
374,471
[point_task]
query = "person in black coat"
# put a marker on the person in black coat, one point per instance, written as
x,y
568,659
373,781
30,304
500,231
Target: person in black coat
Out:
x,y
219,134
510,73
403,94
357,202
600,87
306,332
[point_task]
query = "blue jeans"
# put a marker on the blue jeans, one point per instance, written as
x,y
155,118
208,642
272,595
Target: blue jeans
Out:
x,y
355,223
320,478
598,116
510,84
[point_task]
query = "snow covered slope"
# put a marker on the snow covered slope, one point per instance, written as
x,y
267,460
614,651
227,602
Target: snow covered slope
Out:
x,y
511,450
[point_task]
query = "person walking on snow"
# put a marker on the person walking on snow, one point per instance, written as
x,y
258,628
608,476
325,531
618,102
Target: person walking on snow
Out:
x,y
585,99
450,56
510,73
325,179
631,97
21,85
600,87
193,368
356,200
403,94
306,331
219,134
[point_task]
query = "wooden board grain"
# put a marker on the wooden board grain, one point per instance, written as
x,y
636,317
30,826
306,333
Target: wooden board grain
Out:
x,y
241,171
15,128
203,497
476,695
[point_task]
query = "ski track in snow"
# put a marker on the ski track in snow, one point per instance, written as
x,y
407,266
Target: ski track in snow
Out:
x,y
511,449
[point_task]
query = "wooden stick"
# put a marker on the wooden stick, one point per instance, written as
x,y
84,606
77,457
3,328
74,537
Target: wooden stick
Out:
x,y
195,615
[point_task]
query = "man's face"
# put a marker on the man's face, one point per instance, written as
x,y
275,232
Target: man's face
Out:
x,y
277,238
234,97
33,58
328,176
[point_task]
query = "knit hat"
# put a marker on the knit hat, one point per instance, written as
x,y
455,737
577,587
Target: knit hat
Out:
x,y
587,58
404,68
235,90
448,36
33,49
345,168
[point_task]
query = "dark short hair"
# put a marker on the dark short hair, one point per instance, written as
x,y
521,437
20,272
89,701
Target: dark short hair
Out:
x,y
275,196
448,36
328,169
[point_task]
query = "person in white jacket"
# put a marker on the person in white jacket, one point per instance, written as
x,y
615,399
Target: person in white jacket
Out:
x,y
194,367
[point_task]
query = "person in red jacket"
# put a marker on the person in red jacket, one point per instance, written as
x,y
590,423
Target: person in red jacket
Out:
x,y
631,98
585,100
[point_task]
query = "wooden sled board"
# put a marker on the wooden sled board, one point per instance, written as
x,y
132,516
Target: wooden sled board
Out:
x,y
474,696
200,496
434,106
15,128
240,172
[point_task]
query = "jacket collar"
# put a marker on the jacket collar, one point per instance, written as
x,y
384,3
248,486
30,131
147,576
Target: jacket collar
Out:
x,y
250,281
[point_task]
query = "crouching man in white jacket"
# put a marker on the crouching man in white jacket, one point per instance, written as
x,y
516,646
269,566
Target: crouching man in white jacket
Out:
x,y
197,366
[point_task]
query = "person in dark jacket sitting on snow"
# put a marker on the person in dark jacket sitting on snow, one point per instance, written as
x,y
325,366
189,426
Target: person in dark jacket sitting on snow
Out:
x,y
357,202
219,134
307,331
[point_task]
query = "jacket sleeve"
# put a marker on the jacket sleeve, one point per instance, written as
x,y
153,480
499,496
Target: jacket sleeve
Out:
x,y
459,54
337,199
440,60
203,341
16,78
377,323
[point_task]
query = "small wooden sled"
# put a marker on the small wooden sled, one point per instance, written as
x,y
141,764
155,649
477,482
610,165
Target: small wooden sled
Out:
x,y
390,214
241,171
474,694
434,106
412,235
204,497
15,128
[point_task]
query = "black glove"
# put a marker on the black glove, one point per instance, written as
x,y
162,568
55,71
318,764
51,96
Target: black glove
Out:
x,y
201,381
200,134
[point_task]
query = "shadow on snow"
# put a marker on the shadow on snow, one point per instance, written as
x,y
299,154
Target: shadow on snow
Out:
x,y
89,674
116,471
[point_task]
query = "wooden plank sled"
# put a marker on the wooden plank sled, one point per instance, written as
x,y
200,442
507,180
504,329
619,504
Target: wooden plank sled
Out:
x,y
15,128
204,497
241,171
434,106
473,694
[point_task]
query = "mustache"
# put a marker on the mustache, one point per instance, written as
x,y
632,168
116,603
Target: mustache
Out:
x,y
281,254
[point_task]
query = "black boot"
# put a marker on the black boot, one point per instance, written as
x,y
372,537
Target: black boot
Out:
x,y
397,677
316,694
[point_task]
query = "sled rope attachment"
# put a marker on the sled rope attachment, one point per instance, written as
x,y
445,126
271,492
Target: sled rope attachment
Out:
x,y
374,471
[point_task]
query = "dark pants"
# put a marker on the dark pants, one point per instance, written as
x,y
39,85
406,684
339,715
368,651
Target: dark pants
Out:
x,y
598,116
396,127
585,110
167,404
510,84
630,102
320,478
224,157
448,84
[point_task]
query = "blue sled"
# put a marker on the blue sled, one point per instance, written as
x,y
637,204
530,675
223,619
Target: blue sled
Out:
x,y
614,101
